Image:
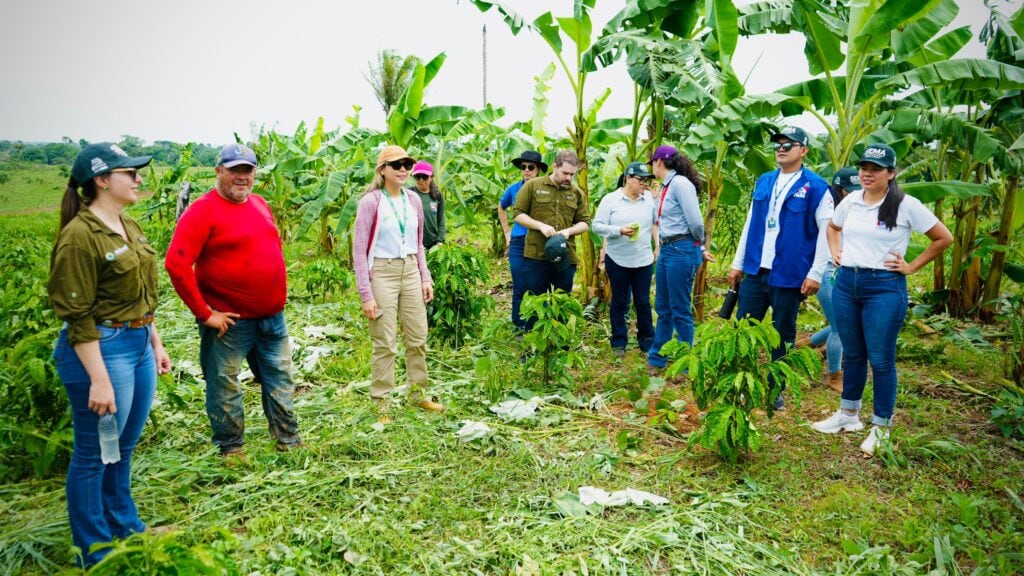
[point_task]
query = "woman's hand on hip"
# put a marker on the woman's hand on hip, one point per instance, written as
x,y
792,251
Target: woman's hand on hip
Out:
x,y
428,292
101,397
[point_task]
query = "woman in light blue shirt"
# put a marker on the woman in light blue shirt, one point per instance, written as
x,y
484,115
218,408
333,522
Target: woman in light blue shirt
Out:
x,y
681,237
626,220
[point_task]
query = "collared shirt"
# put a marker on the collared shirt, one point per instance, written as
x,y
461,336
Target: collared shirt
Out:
x,y
545,202
680,211
617,210
868,243
96,275
391,242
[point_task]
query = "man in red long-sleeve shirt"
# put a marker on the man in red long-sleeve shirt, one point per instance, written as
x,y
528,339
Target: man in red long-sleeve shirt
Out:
x,y
225,262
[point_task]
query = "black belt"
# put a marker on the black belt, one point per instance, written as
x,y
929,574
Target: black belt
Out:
x,y
666,240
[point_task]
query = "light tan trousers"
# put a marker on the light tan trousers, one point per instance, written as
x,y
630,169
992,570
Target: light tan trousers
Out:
x,y
398,290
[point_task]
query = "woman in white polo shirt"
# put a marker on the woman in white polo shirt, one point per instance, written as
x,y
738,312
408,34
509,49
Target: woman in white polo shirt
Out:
x,y
868,239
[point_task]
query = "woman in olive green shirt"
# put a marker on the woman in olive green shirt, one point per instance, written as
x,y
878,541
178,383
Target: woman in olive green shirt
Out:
x,y
103,285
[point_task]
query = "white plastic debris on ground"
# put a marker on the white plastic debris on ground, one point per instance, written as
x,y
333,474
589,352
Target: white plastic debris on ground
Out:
x,y
311,357
473,431
512,410
320,332
591,495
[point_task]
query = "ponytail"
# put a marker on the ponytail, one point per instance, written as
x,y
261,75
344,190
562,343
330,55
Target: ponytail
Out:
x,y
72,202
684,167
890,207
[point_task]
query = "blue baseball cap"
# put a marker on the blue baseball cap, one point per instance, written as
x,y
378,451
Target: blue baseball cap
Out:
x,y
235,155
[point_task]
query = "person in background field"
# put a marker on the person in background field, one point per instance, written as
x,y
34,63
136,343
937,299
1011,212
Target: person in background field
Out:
x,y
867,238
393,279
627,220
531,165
225,262
103,285
782,251
554,211
844,182
433,205
683,252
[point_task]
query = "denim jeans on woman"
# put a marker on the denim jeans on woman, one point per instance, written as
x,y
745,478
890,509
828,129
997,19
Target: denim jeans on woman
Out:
x,y
677,267
265,341
100,505
516,267
869,307
827,335
626,282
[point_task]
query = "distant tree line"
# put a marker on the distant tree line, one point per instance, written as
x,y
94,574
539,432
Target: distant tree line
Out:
x,y
63,153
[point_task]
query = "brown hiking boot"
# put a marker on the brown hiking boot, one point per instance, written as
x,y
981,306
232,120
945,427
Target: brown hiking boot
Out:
x,y
430,406
802,342
835,381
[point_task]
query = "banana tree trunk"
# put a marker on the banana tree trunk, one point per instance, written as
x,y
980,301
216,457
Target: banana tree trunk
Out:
x,y
713,182
995,270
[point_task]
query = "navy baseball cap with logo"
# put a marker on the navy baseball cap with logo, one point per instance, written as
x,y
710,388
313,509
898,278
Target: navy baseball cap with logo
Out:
x,y
638,169
880,155
98,159
848,179
556,250
235,155
794,133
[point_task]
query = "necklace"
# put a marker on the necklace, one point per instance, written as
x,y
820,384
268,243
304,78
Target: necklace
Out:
x,y
405,207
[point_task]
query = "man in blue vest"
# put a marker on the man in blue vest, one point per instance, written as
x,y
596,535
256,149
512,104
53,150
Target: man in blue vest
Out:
x,y
783,250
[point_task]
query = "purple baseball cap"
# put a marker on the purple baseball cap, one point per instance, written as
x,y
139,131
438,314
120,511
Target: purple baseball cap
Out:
x,y
236,154
663,153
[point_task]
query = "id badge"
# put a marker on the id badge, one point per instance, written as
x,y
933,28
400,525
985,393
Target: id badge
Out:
x,y
772,223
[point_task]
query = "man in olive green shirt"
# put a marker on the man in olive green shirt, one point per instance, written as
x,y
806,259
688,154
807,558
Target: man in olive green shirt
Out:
x,y
549,206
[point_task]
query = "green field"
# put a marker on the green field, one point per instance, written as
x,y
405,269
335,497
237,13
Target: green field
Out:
x,y
30,188
409,498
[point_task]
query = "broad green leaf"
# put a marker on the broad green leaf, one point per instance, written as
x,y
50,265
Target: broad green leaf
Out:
x,y
318,136
928,126
548,30
431,68
1014,272
912,38
876,33
723,20
767,16
568,505
823,43
1017,22
928,192
591,112
541,88
962,74
326,194
578,32
512,19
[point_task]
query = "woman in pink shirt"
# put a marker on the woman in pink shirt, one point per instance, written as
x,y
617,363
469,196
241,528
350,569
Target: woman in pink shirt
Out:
x,y
392,277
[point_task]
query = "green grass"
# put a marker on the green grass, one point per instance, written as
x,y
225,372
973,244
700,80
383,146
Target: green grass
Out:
x,y
408,497
30,188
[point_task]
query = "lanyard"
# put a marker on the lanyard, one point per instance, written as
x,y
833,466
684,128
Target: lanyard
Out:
x,y
661,204
405,207
777,190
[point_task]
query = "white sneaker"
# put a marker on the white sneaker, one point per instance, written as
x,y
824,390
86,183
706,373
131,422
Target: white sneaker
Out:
x,y
875,435
839,422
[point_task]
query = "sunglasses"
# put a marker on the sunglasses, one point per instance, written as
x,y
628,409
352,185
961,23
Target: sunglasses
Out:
x,y
405,164
643,179
528,167
421,176
785,146
132,173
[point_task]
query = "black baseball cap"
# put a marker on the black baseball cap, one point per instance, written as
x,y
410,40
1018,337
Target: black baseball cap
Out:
x,y
101,158
556,250
847,179
879,154
794,133
638,169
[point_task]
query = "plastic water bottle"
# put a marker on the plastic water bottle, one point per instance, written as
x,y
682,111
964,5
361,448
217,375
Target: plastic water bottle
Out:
x,y
110,445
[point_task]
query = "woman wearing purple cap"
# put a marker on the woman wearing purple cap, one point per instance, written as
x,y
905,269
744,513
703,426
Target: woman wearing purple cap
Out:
x,y
433,205
681,234
103,285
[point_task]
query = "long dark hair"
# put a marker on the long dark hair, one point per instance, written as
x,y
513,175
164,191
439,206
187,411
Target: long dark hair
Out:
x,y
435,192
72,202
684,167
890,207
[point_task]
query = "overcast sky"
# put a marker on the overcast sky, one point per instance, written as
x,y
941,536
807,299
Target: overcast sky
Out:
x,y
201,69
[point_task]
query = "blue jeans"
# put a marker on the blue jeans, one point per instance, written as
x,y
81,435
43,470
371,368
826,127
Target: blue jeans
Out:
x,y
540,276
828,336
756,296
677,267
626,282
100,505
870,307
264,340
515,266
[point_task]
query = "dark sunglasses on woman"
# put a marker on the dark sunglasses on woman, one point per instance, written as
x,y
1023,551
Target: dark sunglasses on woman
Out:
x,y
421,177
528,167
405,164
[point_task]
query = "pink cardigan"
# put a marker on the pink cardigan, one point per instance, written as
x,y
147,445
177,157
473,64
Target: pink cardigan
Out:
x,y
366,234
